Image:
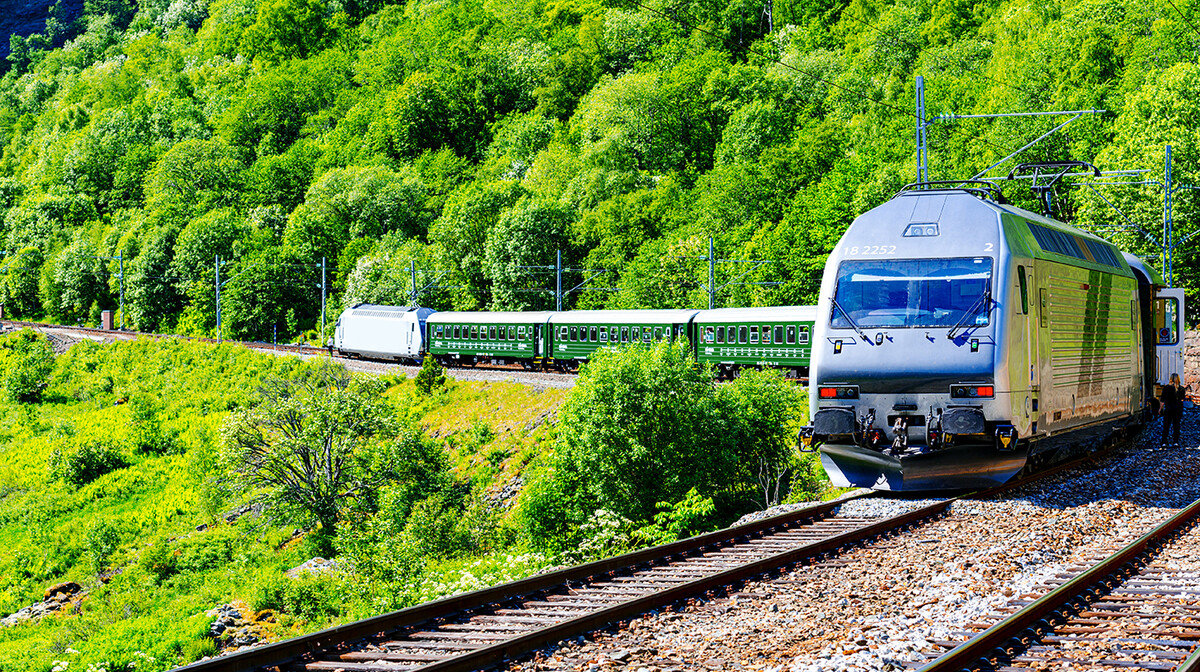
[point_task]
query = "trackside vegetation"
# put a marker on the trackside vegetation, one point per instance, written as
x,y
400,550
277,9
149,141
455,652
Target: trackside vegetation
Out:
x,y
474,140
167,478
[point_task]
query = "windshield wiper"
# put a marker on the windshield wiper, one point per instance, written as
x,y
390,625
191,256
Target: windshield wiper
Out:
x,y
849,319
986,296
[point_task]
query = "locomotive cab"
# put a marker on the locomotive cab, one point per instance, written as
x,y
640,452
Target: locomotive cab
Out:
x,y
935,364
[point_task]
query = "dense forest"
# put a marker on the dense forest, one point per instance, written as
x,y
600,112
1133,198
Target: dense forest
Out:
x,y
453,147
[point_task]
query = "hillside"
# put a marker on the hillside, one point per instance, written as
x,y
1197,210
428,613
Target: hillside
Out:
x,y
470,141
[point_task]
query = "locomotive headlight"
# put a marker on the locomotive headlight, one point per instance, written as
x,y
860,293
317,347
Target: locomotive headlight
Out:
x,y
972,391
843,392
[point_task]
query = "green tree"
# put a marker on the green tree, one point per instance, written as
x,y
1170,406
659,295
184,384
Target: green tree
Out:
x,y
530,234
27,360
348,203
640,427
285,29
316,446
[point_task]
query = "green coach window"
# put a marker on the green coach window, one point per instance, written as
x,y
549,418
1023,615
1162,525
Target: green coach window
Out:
x,y
754,333
742,335
645,334
779,334
491,333
709,334
804,334
791,334
594,338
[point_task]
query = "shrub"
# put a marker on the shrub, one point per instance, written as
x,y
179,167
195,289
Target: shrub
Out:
x,y
431,376
85,463
158,560
689,516
26,361
100,542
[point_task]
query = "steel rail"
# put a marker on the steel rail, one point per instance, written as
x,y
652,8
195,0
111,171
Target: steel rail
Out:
x,y
1021,625
327,641
290,649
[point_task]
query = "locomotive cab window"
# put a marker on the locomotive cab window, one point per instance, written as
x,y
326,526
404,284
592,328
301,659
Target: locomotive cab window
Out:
x,y
791,334
913,293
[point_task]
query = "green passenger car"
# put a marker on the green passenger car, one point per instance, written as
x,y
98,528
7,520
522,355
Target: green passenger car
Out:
x,y
733,338
576,334
470,338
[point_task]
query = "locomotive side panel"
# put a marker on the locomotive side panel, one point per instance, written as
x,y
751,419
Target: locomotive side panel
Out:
x,y
1091,367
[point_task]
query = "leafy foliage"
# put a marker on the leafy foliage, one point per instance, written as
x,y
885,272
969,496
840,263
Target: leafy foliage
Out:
x,y
311,445
26,361
482,139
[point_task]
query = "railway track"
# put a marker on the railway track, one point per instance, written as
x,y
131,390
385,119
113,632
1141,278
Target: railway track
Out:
x,y
486,628
481,629
293,348
1136,608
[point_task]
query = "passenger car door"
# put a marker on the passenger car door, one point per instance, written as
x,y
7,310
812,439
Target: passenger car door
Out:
x,y
1168,335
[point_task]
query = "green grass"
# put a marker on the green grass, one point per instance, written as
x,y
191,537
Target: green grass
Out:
x,y
139,519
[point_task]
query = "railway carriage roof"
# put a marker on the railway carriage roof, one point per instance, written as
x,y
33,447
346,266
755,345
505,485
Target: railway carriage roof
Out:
x,y
623,316
485,317
768,314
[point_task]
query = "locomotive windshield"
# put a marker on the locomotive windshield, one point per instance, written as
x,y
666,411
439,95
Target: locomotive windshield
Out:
x,y
912,293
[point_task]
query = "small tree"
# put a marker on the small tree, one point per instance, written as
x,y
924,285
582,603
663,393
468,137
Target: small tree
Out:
x,y
26,361
316,447
431,376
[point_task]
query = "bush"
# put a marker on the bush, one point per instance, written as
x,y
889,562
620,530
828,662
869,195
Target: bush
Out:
x,y
85,463
26,361
100,542
640,427
431,376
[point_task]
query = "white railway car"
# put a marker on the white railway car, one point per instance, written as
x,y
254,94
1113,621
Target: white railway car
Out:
x,y
382,332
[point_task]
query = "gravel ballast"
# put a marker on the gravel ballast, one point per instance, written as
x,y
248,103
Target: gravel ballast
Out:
x,y
884,604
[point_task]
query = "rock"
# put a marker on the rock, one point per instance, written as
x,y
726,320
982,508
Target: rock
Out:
x,y
314,566
66,588
619,656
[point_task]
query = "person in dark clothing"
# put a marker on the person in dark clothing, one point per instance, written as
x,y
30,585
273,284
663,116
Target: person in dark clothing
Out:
x,y
1172,408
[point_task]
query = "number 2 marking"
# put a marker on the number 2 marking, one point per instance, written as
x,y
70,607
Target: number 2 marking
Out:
x,y
987,247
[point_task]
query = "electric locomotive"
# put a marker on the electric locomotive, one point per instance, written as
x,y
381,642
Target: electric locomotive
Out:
x,y
960,338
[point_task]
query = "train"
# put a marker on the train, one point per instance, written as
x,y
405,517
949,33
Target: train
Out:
x,y
730,339
962,339
957,340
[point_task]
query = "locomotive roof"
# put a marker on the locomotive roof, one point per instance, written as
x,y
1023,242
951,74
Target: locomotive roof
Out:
x,y
386,312
623,316
767,314
1018,223
487,317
